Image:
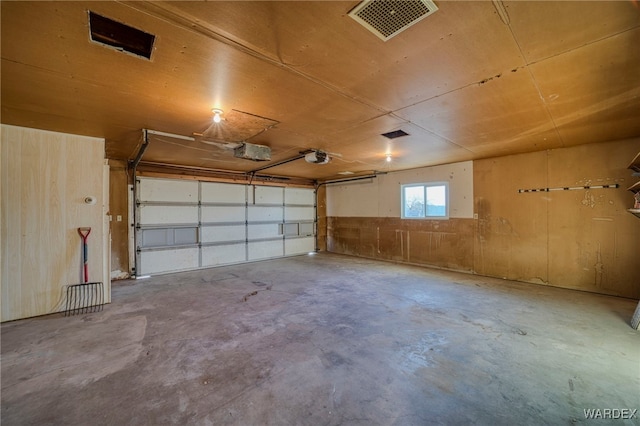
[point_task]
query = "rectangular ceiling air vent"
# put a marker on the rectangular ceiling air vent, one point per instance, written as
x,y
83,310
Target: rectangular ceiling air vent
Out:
x,y
120,36
395,134
388,18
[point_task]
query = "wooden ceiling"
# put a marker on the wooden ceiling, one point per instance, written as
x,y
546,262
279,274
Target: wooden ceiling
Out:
x,y
474,80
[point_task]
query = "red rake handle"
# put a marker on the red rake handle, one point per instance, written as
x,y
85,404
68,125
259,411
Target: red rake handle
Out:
x,y
84,233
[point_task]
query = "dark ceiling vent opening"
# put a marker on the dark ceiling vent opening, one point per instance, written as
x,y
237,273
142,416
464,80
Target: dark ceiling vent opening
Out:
x,y
395,134
120,36
388,18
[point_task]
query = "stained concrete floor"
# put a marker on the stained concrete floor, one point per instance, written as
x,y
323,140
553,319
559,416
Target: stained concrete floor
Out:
x,y
325,340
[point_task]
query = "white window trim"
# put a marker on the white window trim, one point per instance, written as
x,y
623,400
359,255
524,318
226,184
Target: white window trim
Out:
x,y
425,184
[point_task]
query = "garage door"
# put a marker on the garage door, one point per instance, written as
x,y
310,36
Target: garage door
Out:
x,y
183,225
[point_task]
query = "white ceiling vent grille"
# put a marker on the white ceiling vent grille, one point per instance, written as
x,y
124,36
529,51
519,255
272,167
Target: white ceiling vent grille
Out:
x,y
388,18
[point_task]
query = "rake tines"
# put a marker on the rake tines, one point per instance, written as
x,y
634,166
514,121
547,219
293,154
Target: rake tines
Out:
x,y
84,298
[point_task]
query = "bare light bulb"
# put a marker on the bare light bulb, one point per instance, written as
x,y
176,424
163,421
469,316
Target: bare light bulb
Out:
x,y
388,158
216,115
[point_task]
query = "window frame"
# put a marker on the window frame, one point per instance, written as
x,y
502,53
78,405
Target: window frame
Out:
x,y
425,185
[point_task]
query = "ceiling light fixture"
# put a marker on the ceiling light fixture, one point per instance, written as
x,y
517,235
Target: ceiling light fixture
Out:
x,y
388,158
217,115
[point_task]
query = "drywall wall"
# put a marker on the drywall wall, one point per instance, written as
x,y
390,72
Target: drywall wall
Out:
x,y
580,239
46,177
380,196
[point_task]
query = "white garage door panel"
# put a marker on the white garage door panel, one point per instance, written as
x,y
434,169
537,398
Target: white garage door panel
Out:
x,y
260,213
168,260
268,195
299,245
299,196
155,215
307,229
188,224
267,230
223,254
222,193
217,234
265,249
168,190
223,214
158,237
292,214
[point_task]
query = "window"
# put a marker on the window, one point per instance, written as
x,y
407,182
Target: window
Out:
x,y
429,200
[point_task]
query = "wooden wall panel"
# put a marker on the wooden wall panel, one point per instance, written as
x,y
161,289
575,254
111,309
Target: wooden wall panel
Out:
x,y
118,209
579,239
45,179
594,242
511,234
443,244
321,211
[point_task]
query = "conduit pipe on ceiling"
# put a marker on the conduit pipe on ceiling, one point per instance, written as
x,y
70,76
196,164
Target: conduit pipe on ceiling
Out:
x,y
329,182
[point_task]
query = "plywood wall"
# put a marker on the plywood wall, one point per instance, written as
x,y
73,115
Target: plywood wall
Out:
x,y
594,242
512,231
45,179
582,239
321,211
119,212
579,239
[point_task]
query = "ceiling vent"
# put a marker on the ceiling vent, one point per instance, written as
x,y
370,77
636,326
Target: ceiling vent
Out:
x,y
388,18
395,134
120,36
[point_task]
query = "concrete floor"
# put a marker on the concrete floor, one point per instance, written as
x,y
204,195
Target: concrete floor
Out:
x,y
325,340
